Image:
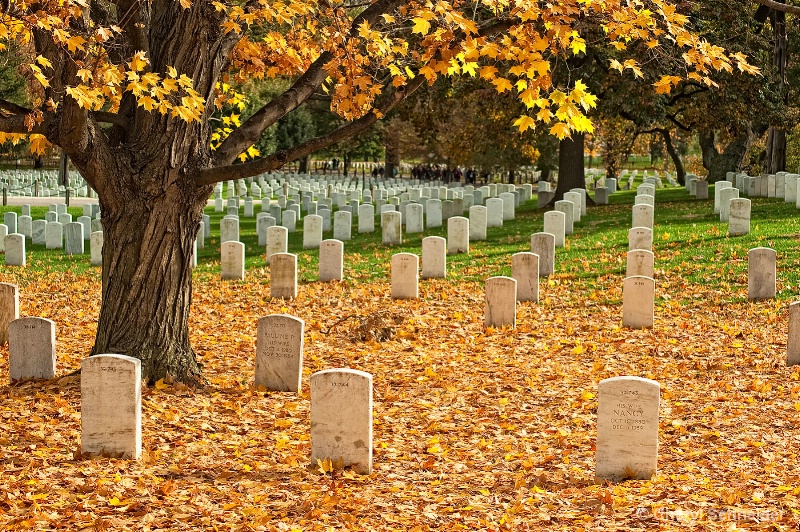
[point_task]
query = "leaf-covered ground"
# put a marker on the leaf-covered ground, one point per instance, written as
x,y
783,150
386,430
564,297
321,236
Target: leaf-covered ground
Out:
x,y
474,429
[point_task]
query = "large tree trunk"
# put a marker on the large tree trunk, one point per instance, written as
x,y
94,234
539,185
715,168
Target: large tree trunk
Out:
x,y
675,156
776,137
570,165
148,242
730,160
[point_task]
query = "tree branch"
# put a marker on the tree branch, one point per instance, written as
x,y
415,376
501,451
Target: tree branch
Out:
x,y
12,119
248,133
779,6
299,92
276,160
110,118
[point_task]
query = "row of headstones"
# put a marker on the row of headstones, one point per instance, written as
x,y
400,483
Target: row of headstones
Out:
x,y
341,419
730,207
41,184
283,265
341,399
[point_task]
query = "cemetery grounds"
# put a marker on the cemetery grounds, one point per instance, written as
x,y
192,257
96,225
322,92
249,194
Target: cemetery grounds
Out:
x,y
474,429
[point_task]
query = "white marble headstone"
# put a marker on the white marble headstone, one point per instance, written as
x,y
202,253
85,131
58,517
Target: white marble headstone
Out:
x,y
501,302
525,270
405,276
279,353
627,428
341,419
544,246
31,349
457,235
111,406
761,273
638,301
331,260
232,261
283,275
434,257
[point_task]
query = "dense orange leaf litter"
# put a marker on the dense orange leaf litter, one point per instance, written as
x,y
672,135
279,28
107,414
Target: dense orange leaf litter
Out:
x,y
474,429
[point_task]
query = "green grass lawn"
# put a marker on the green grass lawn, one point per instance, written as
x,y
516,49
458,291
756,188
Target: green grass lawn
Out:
x,y
690,244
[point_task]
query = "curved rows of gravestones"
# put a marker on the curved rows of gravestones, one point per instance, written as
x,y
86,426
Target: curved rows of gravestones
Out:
x,y
341,398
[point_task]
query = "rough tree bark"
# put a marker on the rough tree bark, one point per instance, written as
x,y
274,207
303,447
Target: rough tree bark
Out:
x,y
570,165
675,156
730,160
775,160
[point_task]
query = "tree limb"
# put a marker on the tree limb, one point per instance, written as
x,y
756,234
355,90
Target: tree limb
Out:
x,y
299,92
248,133
110,118
779,6
276,160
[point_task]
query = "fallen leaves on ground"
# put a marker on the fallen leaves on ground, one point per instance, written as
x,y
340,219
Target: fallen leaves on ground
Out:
x,y
474,429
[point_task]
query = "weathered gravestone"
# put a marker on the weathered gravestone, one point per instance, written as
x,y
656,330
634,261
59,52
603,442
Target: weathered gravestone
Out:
x,y
232,261
111,406
568,208
701,190
277,241
96,249
509,201
405,276
289,220
640,262
31,349
494,212
726,195
15,250
391,228
366,218
761,273
477,223
793,340
264,222
433,213
414,220
601,196
342,225
54,235
3,235
640,238
10,221
739,217
229,229
642,216
39,232
25,226
501,302
279,353
575,199
331,260
9,308
283,275
544,246
627,428
73,239
554,223
457,235
312,231
638,300
434,257
341,419
718,188
525,270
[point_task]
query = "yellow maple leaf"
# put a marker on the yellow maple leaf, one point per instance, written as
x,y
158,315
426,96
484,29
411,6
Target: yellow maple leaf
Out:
x,y
139,61
560,130
502,85
524,122
421,26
